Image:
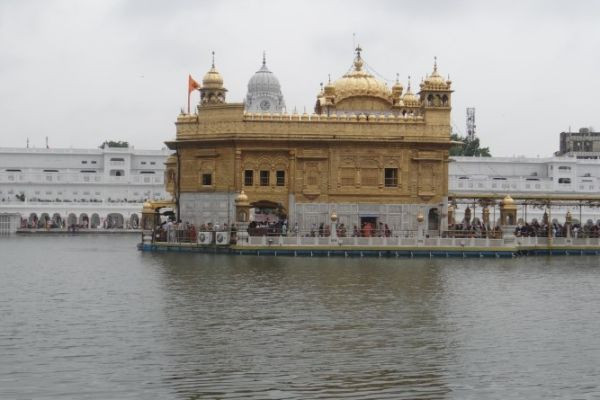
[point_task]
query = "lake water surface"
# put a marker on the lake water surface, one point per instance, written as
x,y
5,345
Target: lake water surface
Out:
x,y
90,317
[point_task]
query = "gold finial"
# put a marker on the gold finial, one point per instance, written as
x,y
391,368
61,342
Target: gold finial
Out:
x,y
434,63
213,59
264,58
328,78
408,87
397,78
358,63
321,87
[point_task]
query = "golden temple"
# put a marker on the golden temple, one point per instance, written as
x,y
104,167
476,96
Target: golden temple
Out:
x,y
368,153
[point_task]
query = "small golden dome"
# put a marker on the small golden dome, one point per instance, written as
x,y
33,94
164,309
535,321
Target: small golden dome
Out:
x,y
410,99
435,80
147,204
508,201
242,197
212,79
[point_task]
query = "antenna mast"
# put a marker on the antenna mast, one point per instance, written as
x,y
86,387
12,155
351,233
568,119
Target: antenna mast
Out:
x,y
471,123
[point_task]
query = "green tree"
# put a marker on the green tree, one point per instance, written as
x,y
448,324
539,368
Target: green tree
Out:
x,y
468,148
114,143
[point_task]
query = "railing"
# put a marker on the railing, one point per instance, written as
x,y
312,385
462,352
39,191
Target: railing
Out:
x,y
241,238
520,184
369,241
77,177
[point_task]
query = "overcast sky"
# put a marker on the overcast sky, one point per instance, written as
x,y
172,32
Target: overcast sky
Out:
x,y
81,72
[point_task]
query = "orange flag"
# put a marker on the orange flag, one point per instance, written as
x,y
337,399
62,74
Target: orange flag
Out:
x,y
192,84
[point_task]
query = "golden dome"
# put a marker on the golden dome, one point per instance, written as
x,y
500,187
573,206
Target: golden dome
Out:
x,y
242,197
508,201
147,205
410,99
358,82
435,80
212,79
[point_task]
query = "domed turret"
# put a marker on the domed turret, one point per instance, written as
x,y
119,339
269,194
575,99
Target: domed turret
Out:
x,y
212,90
264,92
410,99
435,80
435,90
397,91
212,79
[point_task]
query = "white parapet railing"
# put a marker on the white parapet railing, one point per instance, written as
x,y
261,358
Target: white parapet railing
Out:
x,y
395,241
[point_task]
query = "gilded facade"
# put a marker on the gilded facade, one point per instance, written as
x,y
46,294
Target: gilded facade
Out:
x,y
368,152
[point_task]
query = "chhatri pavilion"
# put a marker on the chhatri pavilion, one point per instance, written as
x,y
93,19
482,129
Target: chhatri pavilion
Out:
x,y
368,153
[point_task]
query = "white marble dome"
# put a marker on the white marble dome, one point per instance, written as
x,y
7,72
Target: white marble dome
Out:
x,y
264,92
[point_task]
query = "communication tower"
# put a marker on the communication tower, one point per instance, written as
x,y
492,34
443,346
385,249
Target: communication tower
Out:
x,y
471,123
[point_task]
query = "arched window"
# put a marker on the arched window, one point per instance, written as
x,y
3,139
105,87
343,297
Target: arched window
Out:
x,y
445,100
430,100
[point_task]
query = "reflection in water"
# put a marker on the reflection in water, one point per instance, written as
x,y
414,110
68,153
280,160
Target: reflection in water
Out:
x,y
101,320
305,327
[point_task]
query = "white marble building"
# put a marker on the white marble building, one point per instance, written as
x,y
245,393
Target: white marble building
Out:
x,y
522,175
88,187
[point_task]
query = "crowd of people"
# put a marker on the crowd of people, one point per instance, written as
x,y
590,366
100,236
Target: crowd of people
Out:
x,y
473,229
185,232
574,230
477,229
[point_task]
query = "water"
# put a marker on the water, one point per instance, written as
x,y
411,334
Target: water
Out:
x,y
87,317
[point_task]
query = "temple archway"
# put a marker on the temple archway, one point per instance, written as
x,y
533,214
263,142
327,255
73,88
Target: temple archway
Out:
x,y
71,220
32,220
57,220
95,221
84,220
44,219
115,221
433,219
134,221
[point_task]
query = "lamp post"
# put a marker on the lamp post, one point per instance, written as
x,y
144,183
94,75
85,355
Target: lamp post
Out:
x,y
333,236
420,229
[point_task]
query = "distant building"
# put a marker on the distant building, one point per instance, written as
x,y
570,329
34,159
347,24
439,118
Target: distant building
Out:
x,y
88,187
527,176
582,144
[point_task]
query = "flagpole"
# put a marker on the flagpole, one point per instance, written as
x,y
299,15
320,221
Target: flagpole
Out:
x,y
189,101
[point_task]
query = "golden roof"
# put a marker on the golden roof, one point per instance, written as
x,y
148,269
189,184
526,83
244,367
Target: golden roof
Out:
x,y
508,202
358,82
435,80
242,197
410,99
212,79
